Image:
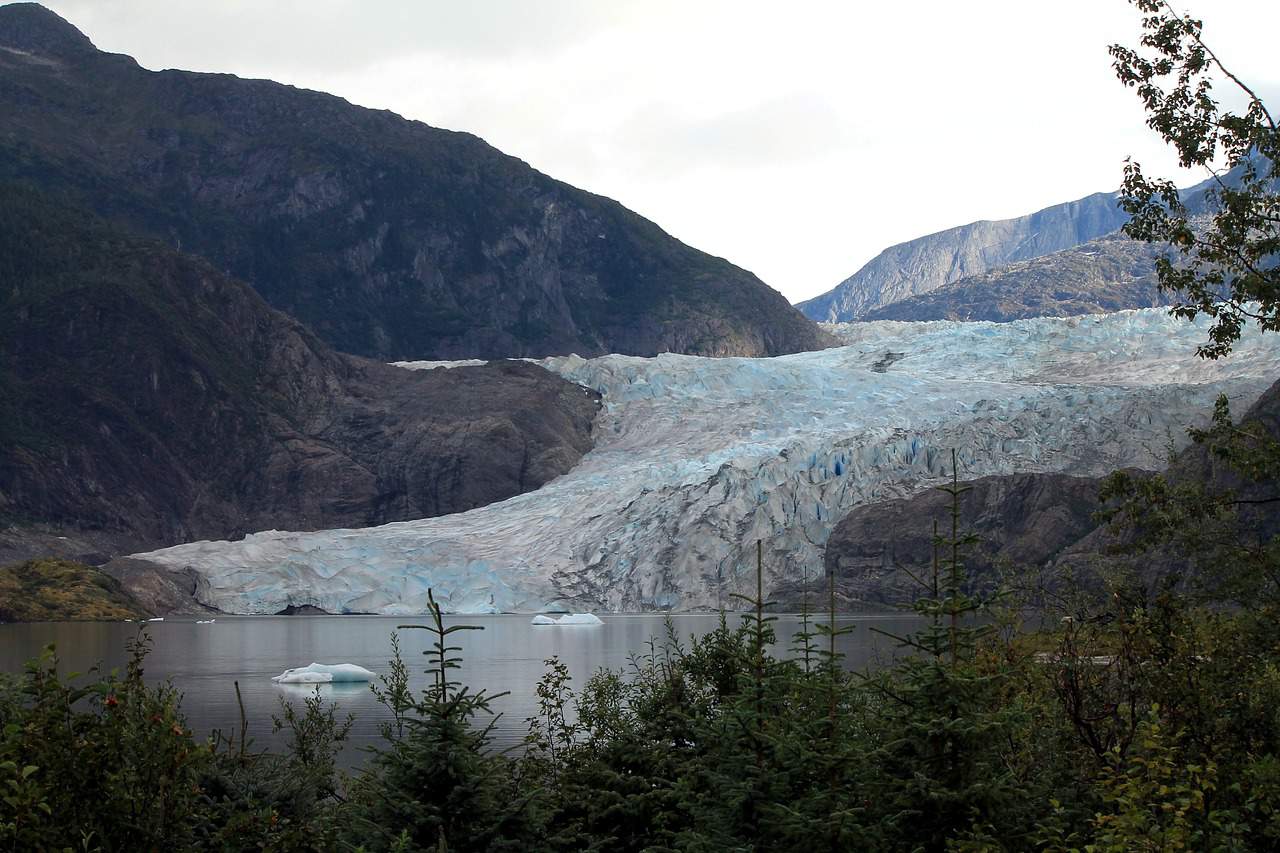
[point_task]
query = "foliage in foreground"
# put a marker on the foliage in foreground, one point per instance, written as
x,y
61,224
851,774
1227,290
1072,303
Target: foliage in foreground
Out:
x,y
1150,726
1224,264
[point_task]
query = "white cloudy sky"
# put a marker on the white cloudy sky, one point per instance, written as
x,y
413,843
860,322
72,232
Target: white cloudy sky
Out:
x,y
795,138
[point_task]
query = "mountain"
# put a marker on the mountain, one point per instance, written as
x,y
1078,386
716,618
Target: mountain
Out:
x,y
146,398
390,239
1108,274
927,263
697,459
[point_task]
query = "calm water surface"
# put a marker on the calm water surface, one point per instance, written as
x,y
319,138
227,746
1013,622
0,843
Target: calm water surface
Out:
x,y
203,661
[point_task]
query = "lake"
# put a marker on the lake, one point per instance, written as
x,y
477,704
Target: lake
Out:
x,y
203,661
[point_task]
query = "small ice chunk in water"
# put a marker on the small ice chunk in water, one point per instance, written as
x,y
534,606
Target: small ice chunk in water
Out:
x,y
302,676
320,673
567,619
579,619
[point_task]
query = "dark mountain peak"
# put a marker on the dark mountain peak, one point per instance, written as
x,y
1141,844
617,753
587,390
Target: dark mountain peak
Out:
x,y
387,237
31,28
198,412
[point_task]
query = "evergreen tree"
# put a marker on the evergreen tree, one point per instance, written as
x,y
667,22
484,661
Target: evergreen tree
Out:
x,y
939,768
439,786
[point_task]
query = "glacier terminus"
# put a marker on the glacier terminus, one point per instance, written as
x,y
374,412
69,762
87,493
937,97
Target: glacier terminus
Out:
x,y
695,459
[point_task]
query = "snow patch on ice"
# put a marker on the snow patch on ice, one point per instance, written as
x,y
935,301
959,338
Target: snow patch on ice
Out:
x,y
431,365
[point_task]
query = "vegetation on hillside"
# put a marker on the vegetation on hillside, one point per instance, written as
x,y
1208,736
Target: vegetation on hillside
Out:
x,y
60,590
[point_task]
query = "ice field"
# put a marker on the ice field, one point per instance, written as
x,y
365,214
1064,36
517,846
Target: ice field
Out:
x,y
695,459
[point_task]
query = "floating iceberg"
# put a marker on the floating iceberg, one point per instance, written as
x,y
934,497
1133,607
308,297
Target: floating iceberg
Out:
x,y
320,673
579,619
568,619
205,621
695,459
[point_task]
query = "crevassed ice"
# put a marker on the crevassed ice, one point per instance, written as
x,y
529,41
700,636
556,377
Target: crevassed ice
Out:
x,y
695,459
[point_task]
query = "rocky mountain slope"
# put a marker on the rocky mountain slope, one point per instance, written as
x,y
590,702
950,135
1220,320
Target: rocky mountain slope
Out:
x,y
146,398
696,459
927,263
388,238
1023,520
1108,274
1061,261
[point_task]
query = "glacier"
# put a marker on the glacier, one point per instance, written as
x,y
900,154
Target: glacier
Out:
x,y
696,459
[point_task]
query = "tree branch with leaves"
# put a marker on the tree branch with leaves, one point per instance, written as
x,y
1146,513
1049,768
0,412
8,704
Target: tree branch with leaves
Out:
x,y
1226,243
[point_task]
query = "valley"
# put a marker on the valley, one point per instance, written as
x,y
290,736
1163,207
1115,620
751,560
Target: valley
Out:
x,y
364,487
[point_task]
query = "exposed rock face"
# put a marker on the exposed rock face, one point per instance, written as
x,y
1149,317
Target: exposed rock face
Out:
x,y
158,592
23,540
303,610
1028,521
1109,274
145,397
389,238
927,263
1021,519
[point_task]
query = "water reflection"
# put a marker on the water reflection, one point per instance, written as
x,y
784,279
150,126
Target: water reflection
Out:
x,y
203,661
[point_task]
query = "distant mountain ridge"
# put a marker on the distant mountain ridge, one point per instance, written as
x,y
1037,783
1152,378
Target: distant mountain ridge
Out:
x,y
389,238
1108,274
927,263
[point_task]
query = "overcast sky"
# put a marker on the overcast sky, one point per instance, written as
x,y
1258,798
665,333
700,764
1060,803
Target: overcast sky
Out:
x,y
797,139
